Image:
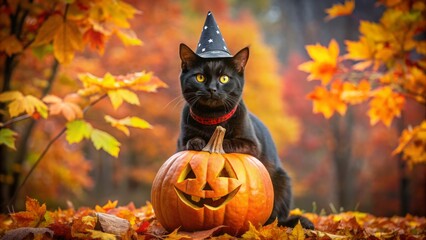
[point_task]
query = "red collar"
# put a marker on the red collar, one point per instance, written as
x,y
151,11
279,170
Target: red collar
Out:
x,y
213,120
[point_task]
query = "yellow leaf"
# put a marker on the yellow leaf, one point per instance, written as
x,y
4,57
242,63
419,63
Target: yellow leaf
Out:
x,y
325,62
95,234
128,37
48,30
297,233
360,50
10,95
118,96
374,31
67,40
103,140
339,9
122,124
385,105
175,235
10,45
20,103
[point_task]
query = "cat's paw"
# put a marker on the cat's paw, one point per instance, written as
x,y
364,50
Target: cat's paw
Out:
x,y
196,144
291,221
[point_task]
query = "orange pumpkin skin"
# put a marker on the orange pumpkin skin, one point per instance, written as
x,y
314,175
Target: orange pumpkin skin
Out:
x,y
200,190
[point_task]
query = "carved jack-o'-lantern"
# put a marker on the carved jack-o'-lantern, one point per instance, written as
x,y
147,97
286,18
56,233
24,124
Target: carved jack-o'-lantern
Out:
x,y
199,190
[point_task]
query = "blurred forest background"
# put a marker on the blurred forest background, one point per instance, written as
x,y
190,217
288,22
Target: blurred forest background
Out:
x,y
342,162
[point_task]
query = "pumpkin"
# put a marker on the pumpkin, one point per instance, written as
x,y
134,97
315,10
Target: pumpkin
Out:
x,y
200,190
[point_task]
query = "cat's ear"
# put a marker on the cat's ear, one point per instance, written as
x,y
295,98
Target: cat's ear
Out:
x,y
187,56
240,59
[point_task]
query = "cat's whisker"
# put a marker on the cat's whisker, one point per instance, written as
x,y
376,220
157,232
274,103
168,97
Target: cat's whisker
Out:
x,y
177,100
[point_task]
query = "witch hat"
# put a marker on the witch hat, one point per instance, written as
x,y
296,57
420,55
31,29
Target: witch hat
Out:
x,y
212,44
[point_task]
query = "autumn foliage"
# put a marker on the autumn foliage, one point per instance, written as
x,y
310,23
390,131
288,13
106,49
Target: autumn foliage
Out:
x,y
384,67
130,222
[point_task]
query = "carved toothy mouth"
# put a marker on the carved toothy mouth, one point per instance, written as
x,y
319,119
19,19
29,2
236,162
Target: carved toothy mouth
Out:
x,y
210,203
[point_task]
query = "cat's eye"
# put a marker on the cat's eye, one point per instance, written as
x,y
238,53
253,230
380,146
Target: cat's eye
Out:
x,y
224,79
200,78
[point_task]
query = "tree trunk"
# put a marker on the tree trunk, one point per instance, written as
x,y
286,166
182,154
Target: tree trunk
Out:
x,y
342,136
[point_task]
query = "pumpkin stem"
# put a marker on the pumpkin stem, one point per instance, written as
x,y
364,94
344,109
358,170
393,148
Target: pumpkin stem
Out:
x,y
216,141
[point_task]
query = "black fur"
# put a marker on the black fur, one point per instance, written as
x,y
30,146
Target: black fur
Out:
x,y
245,133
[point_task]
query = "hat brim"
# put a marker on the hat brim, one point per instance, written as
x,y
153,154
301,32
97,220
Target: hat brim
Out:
x,y
214,54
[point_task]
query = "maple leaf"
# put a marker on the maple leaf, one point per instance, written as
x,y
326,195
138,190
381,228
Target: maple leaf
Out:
x,y
339,9
69,110
385,105
67,40
138,81
10,45
81,226
297,233
107,207
20,104
32,216
118,96
412,143
360,50
175,235
103,140
128,37
78,130
7,137
48,30
95,234
354,94
123,124
325,63
95,39
327,102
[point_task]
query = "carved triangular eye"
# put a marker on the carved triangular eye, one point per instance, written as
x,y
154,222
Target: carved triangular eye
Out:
x,y
187,173
227,171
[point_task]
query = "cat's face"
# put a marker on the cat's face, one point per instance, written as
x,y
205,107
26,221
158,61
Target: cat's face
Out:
x,y
212,83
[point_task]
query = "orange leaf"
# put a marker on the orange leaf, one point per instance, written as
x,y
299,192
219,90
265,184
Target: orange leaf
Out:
x,y
108,206
324,65
354,94
95,39
327,102
32,216
70,110
11,45
67,40
339,9
385,105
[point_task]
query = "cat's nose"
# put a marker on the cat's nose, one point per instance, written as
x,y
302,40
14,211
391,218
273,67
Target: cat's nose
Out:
x,y
212,90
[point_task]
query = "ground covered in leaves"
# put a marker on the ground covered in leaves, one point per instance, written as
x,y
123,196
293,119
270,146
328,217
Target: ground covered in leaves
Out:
x,y
111,221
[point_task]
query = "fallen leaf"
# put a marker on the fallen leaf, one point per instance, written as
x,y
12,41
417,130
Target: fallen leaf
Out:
x,y
25,232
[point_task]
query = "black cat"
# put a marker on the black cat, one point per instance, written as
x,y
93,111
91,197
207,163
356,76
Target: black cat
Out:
x,y
212,88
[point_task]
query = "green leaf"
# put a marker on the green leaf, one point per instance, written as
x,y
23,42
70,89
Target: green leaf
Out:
x,y
103,140
78,130
7,137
